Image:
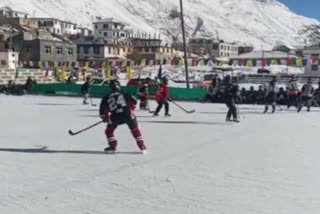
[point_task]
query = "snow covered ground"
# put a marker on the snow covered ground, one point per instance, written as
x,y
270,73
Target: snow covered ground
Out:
x,y
196,163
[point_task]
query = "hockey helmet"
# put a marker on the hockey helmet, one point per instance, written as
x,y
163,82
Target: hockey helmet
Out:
x,y
165,80
115,85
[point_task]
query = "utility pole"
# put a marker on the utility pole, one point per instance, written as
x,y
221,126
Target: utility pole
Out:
x,y
184,45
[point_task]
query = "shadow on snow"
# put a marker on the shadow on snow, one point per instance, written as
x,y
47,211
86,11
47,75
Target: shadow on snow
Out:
x,y
44,150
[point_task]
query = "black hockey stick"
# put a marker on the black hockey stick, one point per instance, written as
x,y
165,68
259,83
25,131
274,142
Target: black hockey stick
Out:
x,y
183,109
83,130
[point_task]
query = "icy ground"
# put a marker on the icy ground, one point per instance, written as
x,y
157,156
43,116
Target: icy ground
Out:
x,y
197,164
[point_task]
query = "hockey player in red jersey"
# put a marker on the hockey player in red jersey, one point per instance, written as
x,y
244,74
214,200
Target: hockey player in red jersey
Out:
x,y
162,97
116,109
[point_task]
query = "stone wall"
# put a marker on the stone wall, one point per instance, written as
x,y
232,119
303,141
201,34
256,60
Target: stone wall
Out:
x,y
20,77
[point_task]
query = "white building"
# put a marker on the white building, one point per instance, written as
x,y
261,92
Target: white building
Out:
x,y
57,26
9,13
111,31
11,57
222,49
84,31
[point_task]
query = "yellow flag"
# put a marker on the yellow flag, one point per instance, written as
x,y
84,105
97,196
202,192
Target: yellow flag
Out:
x,y
274,62
249,63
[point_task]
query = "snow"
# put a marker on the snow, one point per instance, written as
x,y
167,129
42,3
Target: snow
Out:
x,y
196,163
256,22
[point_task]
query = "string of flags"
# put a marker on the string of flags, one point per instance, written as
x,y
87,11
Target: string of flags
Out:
x,y
297,62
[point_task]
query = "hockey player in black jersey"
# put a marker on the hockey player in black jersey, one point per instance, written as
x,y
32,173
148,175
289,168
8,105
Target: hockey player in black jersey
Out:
x,y
230,94
306,95
116,109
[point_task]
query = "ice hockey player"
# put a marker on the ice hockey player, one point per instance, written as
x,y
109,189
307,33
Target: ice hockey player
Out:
x,y
116,109
231,93
143,94
271,95
162,97
85,91
306,95
293,92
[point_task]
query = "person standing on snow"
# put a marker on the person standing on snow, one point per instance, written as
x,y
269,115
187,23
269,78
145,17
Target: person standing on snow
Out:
x,y
116,109
271,95
230,94
293,92
85,91
162,97
306,96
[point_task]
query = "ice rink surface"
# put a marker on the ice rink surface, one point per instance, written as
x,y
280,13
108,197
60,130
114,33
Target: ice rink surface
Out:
x,y
196,163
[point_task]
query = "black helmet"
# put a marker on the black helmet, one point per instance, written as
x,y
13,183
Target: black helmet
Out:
x,y
115,85
164,80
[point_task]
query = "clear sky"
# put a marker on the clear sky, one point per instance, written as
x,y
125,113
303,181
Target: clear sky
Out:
x,y
309,8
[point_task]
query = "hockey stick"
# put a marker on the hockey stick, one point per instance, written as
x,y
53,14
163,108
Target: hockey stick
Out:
x,y
83,130
183,109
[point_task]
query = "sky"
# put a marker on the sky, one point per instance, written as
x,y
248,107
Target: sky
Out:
x,y
309,8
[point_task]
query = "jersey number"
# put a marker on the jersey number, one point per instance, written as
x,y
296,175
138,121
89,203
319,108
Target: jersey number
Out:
x,y
117,104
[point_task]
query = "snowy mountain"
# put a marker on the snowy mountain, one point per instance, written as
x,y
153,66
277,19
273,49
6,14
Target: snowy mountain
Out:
x,y
259,22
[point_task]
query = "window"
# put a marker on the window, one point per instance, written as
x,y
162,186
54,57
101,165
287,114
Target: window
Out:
x,y
47,50
13,55
86,50
105,34
105,26
96,26
109,50
96,50
59,50
215,46
70,51
122,34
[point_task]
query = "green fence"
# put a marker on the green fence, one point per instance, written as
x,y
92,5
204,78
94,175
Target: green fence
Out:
x,y
67,89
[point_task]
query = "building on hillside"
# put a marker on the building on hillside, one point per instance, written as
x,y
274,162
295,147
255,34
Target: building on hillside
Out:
x,y
200,46
44,47
90,49
10,13
150,49
57,26
223,49
83,31
242,49
266,55
11,58
211,47
27,22
312,53
112,32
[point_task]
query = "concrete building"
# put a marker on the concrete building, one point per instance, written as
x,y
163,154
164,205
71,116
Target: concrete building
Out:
x,y
11,57
200,46
57,26
44,47
312,53
27,22
222,49
242,49
83,31
213,48
111,32
90,49
150,49
10,13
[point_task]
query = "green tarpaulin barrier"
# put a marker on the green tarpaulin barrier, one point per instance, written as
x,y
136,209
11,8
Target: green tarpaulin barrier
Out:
x,y
68,89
